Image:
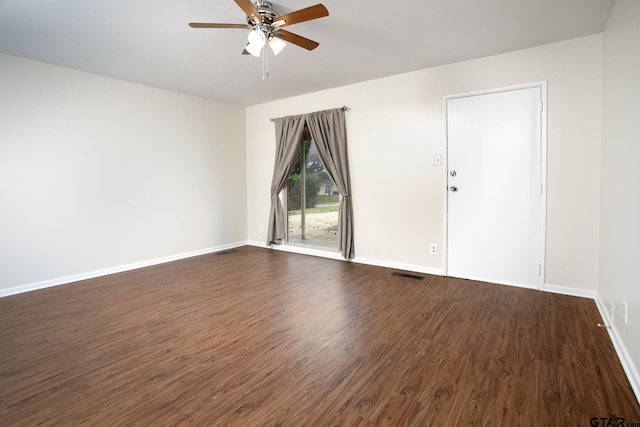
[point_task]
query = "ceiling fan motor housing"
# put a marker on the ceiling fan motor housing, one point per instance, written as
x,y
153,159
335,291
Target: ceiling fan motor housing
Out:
x,y
265,9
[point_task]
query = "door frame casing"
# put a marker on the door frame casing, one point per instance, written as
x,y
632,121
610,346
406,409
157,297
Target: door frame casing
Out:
x,y
542,85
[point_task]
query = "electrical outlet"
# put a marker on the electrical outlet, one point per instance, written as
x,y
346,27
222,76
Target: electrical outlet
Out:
x,y
436,160
434,249
261,229
611,315
625,312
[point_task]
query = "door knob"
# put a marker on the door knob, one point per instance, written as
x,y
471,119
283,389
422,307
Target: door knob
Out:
x,y
453,173
453,188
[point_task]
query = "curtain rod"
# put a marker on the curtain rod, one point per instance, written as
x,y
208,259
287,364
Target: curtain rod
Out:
x,y
345,108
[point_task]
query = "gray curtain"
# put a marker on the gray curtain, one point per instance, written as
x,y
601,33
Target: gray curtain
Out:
x,y
329,132
288,134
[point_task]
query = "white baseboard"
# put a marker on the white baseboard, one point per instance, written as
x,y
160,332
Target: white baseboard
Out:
x,y
301,250
574,292
618,344
399,266
104,272
359,260
621,350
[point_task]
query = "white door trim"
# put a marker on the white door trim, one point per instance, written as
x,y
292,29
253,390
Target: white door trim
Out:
x,y
543,170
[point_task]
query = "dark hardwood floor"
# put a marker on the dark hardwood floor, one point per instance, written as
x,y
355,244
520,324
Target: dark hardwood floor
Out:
x,y
266,338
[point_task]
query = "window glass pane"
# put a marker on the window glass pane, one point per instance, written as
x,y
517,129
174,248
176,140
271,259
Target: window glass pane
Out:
x,y
312,199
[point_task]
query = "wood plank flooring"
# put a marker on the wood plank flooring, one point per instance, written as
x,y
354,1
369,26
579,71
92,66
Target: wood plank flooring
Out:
x,y
266,338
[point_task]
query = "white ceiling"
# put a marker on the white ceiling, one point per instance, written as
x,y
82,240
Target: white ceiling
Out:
x,y
149,41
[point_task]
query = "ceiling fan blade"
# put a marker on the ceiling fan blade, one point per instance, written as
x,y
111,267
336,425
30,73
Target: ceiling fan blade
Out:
x,y
302,15
296,39
250,9
207,25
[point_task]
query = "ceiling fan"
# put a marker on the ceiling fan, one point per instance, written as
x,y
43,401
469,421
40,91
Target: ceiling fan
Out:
x,y
266,26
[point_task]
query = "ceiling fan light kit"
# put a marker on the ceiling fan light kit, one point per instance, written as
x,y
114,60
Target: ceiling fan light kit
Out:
x,y
266,26
276,45
256,41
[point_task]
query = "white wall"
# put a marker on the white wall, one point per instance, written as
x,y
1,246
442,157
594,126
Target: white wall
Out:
x,y
97,173
619,278
396,125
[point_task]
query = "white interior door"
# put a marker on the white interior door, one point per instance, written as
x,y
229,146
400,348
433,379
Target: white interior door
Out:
x,y
494,218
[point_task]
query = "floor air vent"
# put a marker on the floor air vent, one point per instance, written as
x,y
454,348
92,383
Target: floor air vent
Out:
x,y
407,276
227,252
